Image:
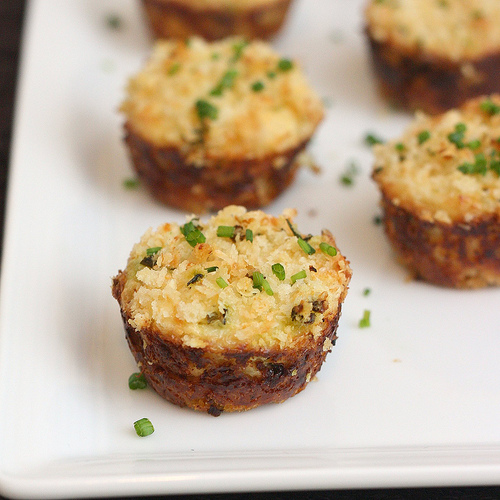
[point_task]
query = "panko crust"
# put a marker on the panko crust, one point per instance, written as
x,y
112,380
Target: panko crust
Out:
x,y
178,19
452,255
215,381
418,81
175,182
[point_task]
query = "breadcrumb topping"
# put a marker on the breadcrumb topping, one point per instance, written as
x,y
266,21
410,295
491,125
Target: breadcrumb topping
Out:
x,y
227,99
453,29
445,168
226,290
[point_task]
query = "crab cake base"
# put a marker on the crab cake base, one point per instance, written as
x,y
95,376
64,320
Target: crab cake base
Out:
x,y
171,19
252,183
452,255
420,81
231,380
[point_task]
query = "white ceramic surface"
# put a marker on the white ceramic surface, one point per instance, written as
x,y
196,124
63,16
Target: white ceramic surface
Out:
x,y
412,400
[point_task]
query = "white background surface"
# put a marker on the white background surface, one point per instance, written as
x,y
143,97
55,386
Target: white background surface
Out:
x,y
412,400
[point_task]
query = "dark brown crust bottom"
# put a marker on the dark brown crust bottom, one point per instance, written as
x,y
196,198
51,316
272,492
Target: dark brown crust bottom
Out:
x,y
172,181
418,81
170,19
232,380
458,256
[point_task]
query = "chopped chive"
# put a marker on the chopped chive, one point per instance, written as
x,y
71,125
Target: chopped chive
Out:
x,y
131,183
480,165
221,282
488,106
377,220
364,322
371,139
143,427
249,235
226,82
271,74
238,50
400,147
152,250
174,69
347,178
457,137
192,234
308,249
298,276
278,271
211,269
195,278
423,136
367,291
137,381
261,283
257,86
225,231
474,144
206,110
328,249
285,64
294,231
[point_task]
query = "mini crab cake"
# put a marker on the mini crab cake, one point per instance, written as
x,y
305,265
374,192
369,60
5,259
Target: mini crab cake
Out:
x,y
433,55
215,19
440,190
234,313
214,124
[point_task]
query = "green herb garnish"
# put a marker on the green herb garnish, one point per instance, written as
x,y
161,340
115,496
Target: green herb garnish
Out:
x,y
113,21
192,234
137,381
278,271
298,276
221,282
423,136
308,249
367,291
131,183
195,278
211,269
143,427
328,249
206,110
225,231
257,86
480,165
488,106
249,235
371,139
226,82
152,250
364,322
261,283
285,64
238,50
457,137
174,69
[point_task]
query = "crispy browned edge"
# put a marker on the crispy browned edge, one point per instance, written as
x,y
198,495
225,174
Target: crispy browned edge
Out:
x,y
173,19
214,381
451,255
416,80
252,183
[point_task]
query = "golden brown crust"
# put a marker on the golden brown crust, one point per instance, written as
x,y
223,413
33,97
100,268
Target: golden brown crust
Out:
x,y
452,255
252,183
418,80
229,380
173,19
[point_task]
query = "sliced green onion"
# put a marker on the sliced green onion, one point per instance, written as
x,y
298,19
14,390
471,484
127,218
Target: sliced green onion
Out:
x,y
137,381
364,322
249,235
225,231
271,74
211,269
328,249
474,144
298,276
221,282
131,183
278,271
457,137
308,249
192,234
372,139
400,147
226,82
174,69
294,231
143,427
206,110
152,250
238,50
367,291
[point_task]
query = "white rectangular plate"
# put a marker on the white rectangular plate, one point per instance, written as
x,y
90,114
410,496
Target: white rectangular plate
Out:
x,y
412,400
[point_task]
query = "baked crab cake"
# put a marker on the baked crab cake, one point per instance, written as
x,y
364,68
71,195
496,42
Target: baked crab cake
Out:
x,y
440,190
215,19
214,124
433,55
233,313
